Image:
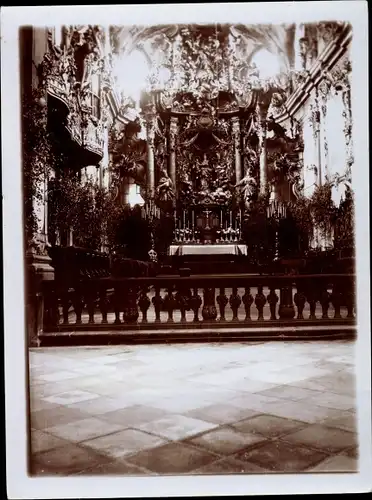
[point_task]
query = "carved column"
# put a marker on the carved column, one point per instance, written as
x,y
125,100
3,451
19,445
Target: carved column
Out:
x,y
236,138
173,130
315,121
299,46
348,124
262,114
106,41
150,132
323,94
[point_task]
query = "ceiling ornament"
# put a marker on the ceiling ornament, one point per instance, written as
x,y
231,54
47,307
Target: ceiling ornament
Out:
x,y
207,68
196,66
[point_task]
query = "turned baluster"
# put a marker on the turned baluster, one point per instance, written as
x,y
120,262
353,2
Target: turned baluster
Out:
x,y
195,303
325,300
103,304
90,297
235,302
312,300
117,304
182,299
158,302
66,303
144,303
78,303
209,311
336,300
51,309
170,304
272,299
300,301
286,307
353,299
130,310
222,302
349,303
247,301
260,301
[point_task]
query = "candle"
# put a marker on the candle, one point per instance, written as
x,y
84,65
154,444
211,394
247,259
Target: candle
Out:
x,y
221,221
230,218
184,218
193,219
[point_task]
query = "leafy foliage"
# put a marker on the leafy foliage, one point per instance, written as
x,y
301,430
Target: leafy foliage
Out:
x,y
130,234
88,209
323,209
345,223
300,213
38,156
320,210
258,231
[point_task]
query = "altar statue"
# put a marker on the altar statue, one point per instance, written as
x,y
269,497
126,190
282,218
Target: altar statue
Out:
x,y
164,191
247,186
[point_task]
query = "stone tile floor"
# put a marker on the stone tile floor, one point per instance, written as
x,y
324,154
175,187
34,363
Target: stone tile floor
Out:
x,y
194,409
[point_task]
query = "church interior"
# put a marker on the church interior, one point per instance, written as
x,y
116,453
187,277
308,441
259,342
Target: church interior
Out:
x,y
188,196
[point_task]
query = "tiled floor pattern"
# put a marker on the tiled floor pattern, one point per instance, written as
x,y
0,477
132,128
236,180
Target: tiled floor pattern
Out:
x,y
190,408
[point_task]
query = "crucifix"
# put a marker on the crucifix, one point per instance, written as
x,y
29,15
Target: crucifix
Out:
x,y
207,213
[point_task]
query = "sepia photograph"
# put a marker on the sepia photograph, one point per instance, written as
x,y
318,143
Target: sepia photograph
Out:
x,y
188,224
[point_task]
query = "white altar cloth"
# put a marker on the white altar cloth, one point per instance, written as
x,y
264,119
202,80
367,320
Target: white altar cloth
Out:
x,y
216,249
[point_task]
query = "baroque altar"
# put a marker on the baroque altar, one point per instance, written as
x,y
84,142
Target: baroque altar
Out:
x,y
213,143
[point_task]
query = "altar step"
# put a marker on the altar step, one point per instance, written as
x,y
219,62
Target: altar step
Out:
x,y
203,334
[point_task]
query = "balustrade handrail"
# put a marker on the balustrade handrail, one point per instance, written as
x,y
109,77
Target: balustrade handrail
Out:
x,y
216,281
198,301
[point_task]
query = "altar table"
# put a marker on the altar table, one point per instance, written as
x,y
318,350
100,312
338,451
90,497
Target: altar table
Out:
x,y
216,249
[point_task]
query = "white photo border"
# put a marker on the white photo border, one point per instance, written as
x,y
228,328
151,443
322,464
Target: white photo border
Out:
x,y
19,484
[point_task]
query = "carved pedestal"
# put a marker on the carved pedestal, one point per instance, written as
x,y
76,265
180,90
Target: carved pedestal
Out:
x,y
38,269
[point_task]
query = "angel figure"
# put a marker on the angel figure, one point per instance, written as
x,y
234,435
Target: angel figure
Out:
x,y
186,184
164,191
247,186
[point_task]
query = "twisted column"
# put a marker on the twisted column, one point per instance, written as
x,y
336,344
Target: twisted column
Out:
x,y
348,123
318,144
236,138
262,114
150,132
173,130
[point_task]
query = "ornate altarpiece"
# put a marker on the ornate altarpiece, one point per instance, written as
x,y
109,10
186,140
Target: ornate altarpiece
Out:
x,y
213,143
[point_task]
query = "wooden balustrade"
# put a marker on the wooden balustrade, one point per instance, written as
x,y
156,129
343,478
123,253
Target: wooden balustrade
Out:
x,y
200,301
